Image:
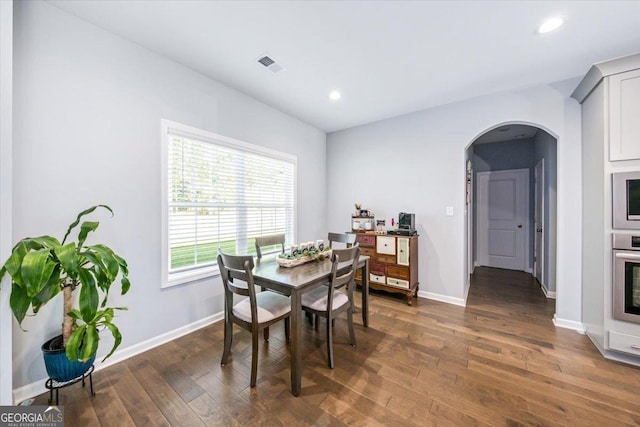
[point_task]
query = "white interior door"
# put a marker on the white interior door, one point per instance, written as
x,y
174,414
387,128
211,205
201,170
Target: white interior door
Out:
x,y
538,265
503,206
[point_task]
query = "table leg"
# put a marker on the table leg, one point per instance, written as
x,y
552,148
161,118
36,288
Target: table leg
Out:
x,y
296,343
365,294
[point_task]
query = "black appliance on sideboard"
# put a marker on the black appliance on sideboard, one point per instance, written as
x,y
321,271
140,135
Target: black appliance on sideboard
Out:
x,y
406,225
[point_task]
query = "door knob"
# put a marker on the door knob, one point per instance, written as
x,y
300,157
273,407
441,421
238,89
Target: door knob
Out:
x,y
519,225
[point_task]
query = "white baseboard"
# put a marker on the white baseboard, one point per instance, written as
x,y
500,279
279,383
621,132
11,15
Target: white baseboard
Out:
x,y
569,324
528,270
443,298
36,388
547,293
613,355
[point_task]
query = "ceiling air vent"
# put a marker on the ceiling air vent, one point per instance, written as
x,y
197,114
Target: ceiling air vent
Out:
x,y
270,64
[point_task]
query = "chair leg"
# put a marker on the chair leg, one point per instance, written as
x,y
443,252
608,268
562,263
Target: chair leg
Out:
x,y
287,328
315,321
352,334
266,333
254,357
329,343
228,338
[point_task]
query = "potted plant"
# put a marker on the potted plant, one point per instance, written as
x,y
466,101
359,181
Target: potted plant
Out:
x,y
42,267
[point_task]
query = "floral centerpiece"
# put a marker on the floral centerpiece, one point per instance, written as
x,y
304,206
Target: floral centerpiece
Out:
x,y
303,253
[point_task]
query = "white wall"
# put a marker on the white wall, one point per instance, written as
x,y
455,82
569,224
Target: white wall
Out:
x,y
87,116
6,111
416,163
568,199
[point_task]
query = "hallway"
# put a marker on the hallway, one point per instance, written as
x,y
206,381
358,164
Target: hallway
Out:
x,y
510,293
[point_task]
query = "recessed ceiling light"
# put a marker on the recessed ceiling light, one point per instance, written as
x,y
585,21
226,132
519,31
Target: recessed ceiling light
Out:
x,y
550,25
335,95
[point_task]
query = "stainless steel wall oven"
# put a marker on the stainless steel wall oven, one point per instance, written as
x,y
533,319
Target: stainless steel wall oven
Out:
x,y
626,277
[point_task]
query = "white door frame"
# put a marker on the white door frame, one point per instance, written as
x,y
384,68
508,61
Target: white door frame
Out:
x,y
539,203
482,220
469,211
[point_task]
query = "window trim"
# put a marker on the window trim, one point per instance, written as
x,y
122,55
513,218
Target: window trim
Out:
x,y
175,128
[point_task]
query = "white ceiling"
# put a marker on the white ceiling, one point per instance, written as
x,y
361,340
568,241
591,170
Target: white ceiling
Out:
x,y
386,57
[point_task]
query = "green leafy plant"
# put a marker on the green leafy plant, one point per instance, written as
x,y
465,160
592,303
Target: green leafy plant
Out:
x,y
42,267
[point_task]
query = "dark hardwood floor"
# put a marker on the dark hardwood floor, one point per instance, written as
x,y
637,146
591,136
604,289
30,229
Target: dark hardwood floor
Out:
x,y
499,361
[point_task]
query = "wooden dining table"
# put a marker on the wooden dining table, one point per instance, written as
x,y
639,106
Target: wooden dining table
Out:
x,y
295,281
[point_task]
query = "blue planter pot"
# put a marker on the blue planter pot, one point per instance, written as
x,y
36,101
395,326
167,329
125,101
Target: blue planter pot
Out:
x,y
59,367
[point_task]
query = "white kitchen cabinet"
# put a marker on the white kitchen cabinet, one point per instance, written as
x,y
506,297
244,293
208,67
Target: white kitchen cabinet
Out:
x,y
624,116
610,98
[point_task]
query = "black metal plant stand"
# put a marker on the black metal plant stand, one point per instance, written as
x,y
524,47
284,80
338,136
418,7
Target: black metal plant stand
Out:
x,y
52,384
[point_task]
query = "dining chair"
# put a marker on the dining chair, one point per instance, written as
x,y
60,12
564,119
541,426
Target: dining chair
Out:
x,y
268,241
346,238
255,313
272,240
329,301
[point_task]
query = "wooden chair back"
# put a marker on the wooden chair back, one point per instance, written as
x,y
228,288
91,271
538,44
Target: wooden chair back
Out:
x,y
238,267
341,277
346,238
272,240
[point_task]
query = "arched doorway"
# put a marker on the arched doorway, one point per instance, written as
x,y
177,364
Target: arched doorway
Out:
x,y
511,201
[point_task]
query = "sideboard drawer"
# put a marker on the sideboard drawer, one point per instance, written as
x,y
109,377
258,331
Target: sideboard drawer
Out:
x,y
387,259
399,272
398,282
377,278
624,343
376,268
386,245
366,240
367,251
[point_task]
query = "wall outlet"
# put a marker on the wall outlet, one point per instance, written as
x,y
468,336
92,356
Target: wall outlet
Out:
x,y
449,210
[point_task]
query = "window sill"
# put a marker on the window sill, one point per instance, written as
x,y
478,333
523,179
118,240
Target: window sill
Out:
x,y
184,277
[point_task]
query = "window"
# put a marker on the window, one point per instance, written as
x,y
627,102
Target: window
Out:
x,y
220,193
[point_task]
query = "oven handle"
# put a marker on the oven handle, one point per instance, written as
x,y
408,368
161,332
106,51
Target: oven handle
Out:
x,y
628,255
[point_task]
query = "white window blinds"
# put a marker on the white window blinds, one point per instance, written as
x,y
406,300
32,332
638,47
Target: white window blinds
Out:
x,y
222,194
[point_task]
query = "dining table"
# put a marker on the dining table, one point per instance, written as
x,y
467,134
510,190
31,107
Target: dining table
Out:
x,y
295,281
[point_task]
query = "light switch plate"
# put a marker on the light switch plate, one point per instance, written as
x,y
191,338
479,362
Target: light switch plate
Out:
x,y
449,210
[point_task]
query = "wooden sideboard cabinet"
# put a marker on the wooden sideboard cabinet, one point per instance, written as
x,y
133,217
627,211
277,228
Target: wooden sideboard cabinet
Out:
x,y
393,266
